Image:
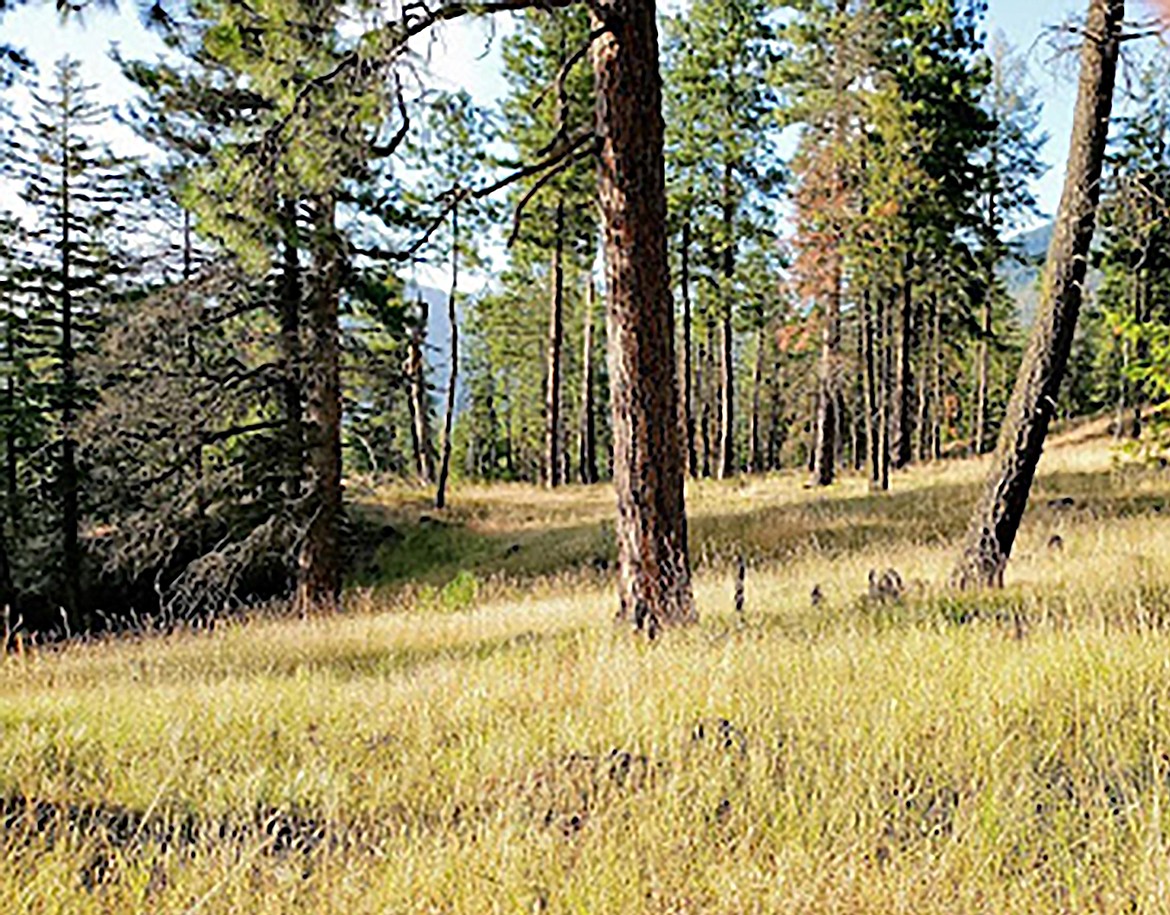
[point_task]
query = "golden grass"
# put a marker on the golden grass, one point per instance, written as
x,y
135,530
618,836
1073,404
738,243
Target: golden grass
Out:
x,y
1006,753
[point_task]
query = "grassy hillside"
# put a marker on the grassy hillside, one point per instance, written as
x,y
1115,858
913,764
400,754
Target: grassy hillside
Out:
x,y
503,747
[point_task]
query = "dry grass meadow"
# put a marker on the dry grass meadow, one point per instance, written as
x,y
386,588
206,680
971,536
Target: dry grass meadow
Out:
x,y
485,740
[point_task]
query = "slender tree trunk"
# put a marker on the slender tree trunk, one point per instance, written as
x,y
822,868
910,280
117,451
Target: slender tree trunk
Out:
x,y
886,376
556,333
827,420
756,450
860,422
453,376
420,427
291,383
937,397
983,381
872,377
705,368
319,579
12,470
68,482
775,433
903,419
588,434
997,516
726,467
688,362
654,576
925,375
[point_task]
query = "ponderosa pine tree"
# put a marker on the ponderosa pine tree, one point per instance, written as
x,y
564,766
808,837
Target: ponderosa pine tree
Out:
x,y
997,516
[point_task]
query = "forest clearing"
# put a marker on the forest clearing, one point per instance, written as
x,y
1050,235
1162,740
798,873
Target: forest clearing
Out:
x,y
515,751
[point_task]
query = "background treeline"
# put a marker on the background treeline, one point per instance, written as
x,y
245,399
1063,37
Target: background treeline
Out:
x,y
199,345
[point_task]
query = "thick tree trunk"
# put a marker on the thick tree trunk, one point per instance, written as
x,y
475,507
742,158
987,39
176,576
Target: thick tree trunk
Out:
x,y
453,374
997,516
420,427
654,576
688,368
556,334
903,420
937,416
775,432
319,572
925,376
588,429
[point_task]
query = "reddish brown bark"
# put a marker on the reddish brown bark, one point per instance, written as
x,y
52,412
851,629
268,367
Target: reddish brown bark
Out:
x,y
654,578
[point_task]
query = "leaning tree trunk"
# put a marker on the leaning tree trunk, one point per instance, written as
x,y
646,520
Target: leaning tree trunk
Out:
x,y
654,577
453,375
587,458
556,335
319,566
997,516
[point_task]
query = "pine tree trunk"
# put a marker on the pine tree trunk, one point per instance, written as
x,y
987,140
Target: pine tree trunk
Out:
x,y
937,397
12,470
654,577
826,442
997,516
704,370
726,466
775,433
984,379
453,375
756,451
903,419
688,362
420,431
68,481
290,356
319,572
588,433
886,378
556,333
871,380
925,375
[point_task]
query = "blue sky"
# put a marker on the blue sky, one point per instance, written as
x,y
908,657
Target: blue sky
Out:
x,y
38,29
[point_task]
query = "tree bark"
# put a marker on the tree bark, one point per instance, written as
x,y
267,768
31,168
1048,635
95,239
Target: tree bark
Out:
x,y
886,375
688,362
726,466
654,576
588,430
755,448
705,369
556,334
68,478
903,420
983,380
319,578
290,355
997,516
453,375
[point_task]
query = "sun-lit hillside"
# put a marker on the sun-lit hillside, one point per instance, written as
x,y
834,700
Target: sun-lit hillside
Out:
x,y
511,750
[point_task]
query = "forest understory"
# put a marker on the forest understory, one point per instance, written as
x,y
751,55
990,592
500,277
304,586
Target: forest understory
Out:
x,y
487,740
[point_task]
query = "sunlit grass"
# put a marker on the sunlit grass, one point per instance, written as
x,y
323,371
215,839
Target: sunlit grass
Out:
x,y
1005,753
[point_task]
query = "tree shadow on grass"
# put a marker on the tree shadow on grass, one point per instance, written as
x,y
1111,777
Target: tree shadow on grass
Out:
x,y
394,549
